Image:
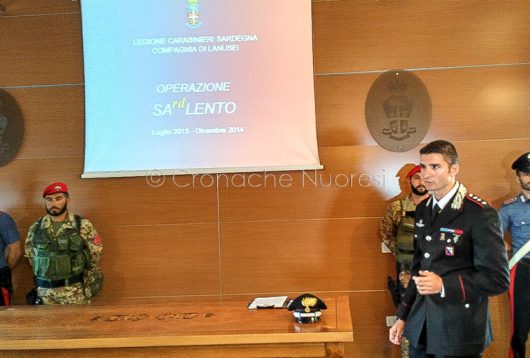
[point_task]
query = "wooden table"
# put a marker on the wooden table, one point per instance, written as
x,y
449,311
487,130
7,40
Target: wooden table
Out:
x,y
207,329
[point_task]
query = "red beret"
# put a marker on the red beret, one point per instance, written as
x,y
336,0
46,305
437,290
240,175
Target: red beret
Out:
x,y
55,188
413,171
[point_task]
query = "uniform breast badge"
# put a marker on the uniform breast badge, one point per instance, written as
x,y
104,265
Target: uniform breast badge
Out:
x,y
456,234
449,251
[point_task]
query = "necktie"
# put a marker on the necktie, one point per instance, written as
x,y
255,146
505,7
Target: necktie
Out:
x,y
434,213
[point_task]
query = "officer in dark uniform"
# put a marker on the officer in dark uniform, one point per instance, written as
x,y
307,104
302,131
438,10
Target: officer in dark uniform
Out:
x,y
515,215
459,261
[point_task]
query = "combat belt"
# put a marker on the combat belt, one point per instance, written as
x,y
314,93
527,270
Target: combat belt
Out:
x,y
59,262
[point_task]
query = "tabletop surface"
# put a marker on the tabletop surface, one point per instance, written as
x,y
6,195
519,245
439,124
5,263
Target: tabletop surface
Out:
x,y
166,324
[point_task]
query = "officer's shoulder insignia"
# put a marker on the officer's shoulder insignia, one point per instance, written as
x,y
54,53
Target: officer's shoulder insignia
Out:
x,y
509,201
476,200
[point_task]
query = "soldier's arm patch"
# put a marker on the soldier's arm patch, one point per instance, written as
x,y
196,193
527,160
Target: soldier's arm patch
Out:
x,y
97,240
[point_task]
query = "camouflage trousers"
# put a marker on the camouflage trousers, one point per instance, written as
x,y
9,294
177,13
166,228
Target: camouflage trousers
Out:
x,y
72,294
404,348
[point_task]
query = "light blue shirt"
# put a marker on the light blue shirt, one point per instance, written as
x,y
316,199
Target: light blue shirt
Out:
x,y
515,215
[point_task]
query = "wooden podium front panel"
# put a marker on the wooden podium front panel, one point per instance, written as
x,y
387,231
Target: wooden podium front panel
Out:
x,y
185,329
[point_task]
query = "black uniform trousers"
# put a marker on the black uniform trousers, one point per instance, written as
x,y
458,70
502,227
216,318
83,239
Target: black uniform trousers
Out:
x,y
521,308
420,350
6,287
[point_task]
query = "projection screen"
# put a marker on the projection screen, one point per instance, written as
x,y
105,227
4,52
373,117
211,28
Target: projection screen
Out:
x,y
198,86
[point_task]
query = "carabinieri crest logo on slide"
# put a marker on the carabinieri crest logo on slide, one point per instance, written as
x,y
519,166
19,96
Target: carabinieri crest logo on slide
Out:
x,y
193,14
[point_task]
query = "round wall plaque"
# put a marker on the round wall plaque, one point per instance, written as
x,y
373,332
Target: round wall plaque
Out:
x,y
11,128
398,110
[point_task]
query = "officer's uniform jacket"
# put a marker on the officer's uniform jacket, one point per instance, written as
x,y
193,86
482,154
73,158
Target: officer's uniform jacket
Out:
x,y
515,215
464,247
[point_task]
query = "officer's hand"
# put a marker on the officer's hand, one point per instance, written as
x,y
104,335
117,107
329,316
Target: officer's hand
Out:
x,y
428,283
396,332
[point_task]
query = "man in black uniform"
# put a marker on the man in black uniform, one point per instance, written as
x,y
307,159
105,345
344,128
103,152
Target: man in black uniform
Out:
x,y
459,261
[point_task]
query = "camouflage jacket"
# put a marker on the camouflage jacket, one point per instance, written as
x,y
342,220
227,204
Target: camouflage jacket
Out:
x,y
390,221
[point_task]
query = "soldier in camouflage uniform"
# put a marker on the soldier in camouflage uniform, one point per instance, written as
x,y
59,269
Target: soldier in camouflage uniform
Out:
x,y
63,250
396,230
